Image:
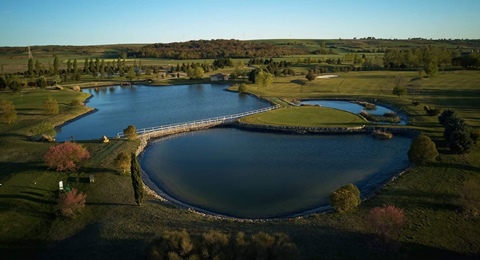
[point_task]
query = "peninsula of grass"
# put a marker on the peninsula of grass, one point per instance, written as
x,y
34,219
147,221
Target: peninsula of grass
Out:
x,y
305,116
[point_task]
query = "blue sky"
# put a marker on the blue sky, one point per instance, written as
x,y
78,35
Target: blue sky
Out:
x,y
92,22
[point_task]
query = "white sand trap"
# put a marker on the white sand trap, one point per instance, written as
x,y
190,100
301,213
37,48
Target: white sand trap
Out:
x,y
326,76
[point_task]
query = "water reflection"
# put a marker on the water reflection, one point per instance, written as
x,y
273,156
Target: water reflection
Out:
x,y
145,106
261,175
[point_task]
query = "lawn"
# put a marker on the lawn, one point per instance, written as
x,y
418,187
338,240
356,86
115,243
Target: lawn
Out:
x,y
307,116
112,226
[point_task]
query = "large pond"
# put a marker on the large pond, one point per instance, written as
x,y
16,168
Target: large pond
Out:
x,y
144,106
354,108
263,175
233,172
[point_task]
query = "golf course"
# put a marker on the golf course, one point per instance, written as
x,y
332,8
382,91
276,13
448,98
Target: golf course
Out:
x,y
112,225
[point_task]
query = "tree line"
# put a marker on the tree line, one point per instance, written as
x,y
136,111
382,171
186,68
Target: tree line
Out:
x,y
213,49
430,58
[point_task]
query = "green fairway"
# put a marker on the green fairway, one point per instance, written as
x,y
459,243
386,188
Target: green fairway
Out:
x,y
458,90
308,116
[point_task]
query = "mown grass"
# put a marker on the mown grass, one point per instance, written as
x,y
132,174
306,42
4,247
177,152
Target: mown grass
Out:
x,y
113,226
455,90
306,116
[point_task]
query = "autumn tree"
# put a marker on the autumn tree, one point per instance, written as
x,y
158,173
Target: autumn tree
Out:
x,y
137,182
386,222
9,111
69,204
345,198
66,156
51,106
422,150
122,162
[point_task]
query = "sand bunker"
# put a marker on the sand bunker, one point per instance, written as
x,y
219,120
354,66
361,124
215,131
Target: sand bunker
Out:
x,y
326,76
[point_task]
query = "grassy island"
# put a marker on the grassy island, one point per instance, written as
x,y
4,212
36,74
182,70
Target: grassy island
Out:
x,y
306,116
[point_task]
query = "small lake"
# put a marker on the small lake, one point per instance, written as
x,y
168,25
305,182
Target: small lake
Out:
x,y
354,108
145,106
264,175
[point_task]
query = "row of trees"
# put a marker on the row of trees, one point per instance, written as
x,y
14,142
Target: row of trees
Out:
x,y
219,245
213,49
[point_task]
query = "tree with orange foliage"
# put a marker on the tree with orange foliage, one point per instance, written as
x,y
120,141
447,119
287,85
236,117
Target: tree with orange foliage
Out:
x,y
70,203
66,156
386,222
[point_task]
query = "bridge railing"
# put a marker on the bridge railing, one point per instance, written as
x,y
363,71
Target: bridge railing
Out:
x,y
208,121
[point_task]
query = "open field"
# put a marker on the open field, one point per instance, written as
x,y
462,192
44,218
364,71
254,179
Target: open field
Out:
x,y
112,226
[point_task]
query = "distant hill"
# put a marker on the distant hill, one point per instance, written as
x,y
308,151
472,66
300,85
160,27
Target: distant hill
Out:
x,y
211,49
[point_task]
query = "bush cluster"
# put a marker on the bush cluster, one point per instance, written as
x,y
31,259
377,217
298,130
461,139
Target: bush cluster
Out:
x,y
218,245
390,117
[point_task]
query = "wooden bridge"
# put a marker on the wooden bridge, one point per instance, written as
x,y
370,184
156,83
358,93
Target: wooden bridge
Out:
x,y
157,131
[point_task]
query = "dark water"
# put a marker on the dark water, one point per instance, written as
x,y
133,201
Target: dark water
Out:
x,y
263,175
353,108
145,106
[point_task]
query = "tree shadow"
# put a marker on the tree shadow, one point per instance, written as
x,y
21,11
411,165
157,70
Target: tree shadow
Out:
x,y
11,168
300,82
463,167
26,197
419,251
411,198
